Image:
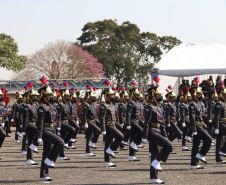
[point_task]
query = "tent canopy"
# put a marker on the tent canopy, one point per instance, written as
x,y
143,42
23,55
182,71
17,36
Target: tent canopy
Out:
x,y
193,59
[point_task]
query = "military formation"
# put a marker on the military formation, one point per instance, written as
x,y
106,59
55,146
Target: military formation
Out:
x,y
51,118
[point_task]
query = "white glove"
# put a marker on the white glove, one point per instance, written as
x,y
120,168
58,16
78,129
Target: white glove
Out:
x,y
58,129
103,133
168,125
194,133
12,120
128,127
122,124
144,140
181,132
178,119
210,121
21,126
3,124
86,125
58,133
77,122
23,133
18,133
216,131
183,125
39,141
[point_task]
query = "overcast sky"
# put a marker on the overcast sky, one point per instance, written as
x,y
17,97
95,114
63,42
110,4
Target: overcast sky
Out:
x,y
33,23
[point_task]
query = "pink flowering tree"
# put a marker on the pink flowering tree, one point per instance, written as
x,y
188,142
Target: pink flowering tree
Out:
x,y
61,60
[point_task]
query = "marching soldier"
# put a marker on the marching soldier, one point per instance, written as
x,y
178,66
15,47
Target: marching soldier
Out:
x,y
132,118
160,145
2,120
171,114
52,143
198,132
220,124
29,124
107,121
91,121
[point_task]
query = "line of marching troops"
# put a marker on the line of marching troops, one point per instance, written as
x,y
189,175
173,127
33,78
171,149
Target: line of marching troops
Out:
x,y
49,118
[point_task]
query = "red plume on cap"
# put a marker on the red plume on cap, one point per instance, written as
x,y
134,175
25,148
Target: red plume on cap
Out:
x,y
196,79
30,84
152,85
26,87
170,87
181,92
53,87
73,90
139,89
167,90
58,93
94,88
114,88
123,88
156,78
43,80
187,88
221,84
17,92
88,86
133,82
107,82
214,90
65,84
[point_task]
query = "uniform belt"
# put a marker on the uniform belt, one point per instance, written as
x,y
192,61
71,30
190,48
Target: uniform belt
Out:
x,y
49,124
171,117
64,121
187,116
91,120
135,120
110,122
158,125
141,116
32,123
17,112
1,118
222,119
213,115
199,123
72,116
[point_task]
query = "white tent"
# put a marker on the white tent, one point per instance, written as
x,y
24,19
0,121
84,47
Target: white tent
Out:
x,y
193,59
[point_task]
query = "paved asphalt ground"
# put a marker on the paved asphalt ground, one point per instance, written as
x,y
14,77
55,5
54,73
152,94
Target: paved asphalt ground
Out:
x,y
83,170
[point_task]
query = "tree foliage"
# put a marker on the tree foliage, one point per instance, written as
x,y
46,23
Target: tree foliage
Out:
x,y
124,51
9,58
61,60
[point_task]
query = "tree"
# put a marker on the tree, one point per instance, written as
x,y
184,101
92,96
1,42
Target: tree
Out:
x,y
61,60
124,52
9,58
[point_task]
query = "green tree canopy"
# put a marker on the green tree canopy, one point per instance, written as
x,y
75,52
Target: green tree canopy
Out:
x,y
9,58
124,51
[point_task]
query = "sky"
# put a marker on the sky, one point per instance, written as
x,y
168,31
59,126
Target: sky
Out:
x,y
33,23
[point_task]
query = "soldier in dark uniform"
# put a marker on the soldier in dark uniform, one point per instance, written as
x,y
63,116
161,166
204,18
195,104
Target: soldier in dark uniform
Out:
x,y
122,117
52,143
107,121
198,132
220,125
91,121
2,120
132,118
15,116
29,124
160,145
171,115
185,98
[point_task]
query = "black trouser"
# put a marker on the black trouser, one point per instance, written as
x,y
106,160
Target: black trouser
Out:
x,y
2,135
6,127
24,146
185,131
210,127
67,132
73,123
126,134
112,132
206,138
174,130
220,141
17,128
92,129
31,133
52,144
156,140
136,133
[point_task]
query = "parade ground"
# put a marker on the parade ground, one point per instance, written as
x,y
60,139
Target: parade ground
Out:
x,y
83,170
